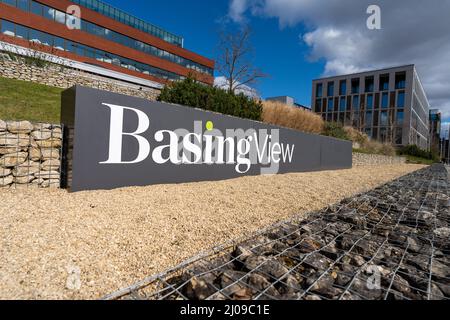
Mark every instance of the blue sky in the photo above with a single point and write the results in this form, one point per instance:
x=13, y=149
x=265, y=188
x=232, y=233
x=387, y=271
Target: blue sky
x=280, y=53
x=296, y=41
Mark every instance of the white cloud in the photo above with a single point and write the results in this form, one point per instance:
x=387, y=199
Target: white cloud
x=413, y=32
x=221, y=82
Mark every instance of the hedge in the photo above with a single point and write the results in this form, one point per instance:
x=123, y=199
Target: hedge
x=191, y=93
x=415, y=151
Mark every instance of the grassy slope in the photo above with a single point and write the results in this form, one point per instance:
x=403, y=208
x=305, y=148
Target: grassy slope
x=22, y=100
x=409, y=159
x=417, y=160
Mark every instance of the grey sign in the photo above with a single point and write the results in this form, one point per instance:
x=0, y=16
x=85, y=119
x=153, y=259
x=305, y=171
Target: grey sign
x=113, y=140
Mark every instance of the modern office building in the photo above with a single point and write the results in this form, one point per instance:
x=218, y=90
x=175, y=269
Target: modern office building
x=435, y=130
x=105, y=38
x=445, y=151
x=444, y=145
x=283, y=99
x=389, y=105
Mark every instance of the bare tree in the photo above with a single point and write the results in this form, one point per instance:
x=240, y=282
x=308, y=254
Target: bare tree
x=234, y=60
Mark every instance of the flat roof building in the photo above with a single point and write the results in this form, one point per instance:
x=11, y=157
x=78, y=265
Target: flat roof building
x=107, y=38
x=389, y=105
x=289, y=101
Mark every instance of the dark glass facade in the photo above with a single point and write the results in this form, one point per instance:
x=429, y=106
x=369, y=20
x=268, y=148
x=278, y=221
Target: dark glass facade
x=94, y=29
x=123, y=17
x=42, y=38
x=163, y=59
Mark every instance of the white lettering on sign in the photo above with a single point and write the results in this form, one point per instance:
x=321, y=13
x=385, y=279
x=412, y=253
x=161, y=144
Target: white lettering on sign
x=239, y=148
x=116, y=135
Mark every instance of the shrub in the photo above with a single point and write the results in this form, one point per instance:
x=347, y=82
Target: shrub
x=356, y=136
x=388, y=150
x=415, y=151
x=335, y=130
x=363, y=144
x=194, y=94
x=36, y=62
x=376, y=147
x=277, y=113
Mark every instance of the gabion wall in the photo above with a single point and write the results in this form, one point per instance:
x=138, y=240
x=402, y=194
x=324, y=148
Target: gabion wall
x=29, y=154
x=15, y=67
x=362, y=159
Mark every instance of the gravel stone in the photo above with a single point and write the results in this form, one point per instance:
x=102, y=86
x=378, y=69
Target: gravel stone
x=120, y=237
x=387, y=248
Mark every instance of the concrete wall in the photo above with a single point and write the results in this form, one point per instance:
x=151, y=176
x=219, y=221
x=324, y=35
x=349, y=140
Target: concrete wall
x=30, y=155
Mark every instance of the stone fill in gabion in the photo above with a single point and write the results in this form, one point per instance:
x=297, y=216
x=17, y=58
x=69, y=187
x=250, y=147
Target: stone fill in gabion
x=57, y=75
x=390, y=243
x=29, y=154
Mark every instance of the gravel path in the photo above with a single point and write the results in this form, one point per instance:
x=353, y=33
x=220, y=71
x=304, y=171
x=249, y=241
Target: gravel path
x=390, y=243
x=56, y=245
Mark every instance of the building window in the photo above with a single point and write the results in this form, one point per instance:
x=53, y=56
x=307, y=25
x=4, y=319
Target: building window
x=348, y=119
x=369, y=84
x=375, y=133
x=37, y=8
x=400, y=80
x=356, y=102
x=319, y=90
x=355, y=86
x=330, y=105
x=23, y=4
x=384, y=82
x=21, y=32
x=384, y=118
x=49, y=13
x=58, y=43
x=368, y=132
x=401, y=99
x=385, y=100
x=8, y=28
x=60, y=17
x=376, y=117
x=400, y=117
x=369, y=119
x=355, y=120
x=330, y=91
x=398, y=136
x=318, y=105
x=383, y=135
x=370, y=101
x=343, y=88
x=10, y=2
x=95, y=30
x=329, y=117
x=342, y=104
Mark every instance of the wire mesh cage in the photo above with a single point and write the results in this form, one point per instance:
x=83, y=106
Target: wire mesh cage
x=29, y=154
x=388, y=243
